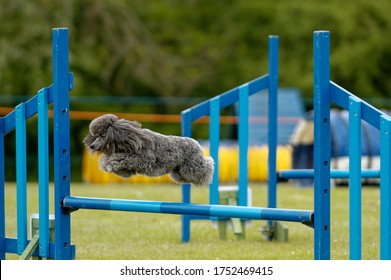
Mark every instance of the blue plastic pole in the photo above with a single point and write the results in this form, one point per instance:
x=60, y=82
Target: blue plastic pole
x=43, y=172
x=355, y=178
x=2, y=192
x=322, y=144
x=385, y=188
x=21, y=176
x=214, y=143
x=334, y=173
x=243, y=145
x=61, y=86
x=272, y=125
x=186, y=195
x=291, y=215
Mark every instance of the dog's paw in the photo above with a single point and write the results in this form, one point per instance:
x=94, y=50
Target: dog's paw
x=107, y=167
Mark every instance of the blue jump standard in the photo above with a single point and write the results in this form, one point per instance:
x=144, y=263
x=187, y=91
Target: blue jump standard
x=71, y=203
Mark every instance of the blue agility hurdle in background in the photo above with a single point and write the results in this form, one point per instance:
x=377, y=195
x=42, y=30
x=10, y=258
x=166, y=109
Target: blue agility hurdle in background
x=212, y=107
x=325, y=91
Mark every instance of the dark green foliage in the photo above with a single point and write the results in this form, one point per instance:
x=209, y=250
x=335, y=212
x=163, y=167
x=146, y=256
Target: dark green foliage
x=192, y=48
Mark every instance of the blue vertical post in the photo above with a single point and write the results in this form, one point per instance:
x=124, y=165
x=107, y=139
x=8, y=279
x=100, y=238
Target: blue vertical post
x=61, y=87
x=273, y=123
x=214, y=143
x=322, y=144
x=43, y=172
x=243, y=145
x=186, y=132
x=2, y=192
x=21, y=176
x=385, y=188
x=354, y=178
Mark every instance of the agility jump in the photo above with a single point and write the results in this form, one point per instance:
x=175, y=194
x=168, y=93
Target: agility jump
x=324, y=92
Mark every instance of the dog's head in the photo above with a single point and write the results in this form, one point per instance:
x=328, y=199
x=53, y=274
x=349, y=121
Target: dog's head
x=108, y=134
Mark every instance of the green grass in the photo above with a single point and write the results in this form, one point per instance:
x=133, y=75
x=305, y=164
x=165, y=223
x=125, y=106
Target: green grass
x=139, y=236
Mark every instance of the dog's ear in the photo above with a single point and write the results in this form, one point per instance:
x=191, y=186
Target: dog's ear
x=126, y=137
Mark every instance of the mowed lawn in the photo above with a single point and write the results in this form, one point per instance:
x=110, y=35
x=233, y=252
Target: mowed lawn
x=139, y=236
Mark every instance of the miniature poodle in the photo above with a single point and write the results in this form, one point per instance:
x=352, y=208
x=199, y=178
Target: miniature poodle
x=128, y=149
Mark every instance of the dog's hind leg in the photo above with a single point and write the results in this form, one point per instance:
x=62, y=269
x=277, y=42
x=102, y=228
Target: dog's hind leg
x=198, y=172
x=177, y=177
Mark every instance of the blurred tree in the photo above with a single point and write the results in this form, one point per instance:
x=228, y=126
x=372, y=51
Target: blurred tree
x=192, y=48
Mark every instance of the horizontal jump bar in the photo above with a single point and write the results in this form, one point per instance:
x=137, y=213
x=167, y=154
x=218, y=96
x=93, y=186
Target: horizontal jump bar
x=71, y=203
x=334, y=173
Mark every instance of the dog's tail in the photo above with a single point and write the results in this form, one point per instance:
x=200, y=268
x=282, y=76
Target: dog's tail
x=205, y=173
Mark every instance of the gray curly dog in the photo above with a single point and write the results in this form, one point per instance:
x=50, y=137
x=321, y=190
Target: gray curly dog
x=128, y=149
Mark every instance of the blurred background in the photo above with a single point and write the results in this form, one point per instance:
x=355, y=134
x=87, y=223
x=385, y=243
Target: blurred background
x=159, y=57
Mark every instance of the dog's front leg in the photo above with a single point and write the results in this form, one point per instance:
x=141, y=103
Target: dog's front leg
x=104, y=164
x=119, y=164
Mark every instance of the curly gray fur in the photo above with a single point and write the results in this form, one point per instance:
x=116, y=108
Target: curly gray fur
x=128, y=149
